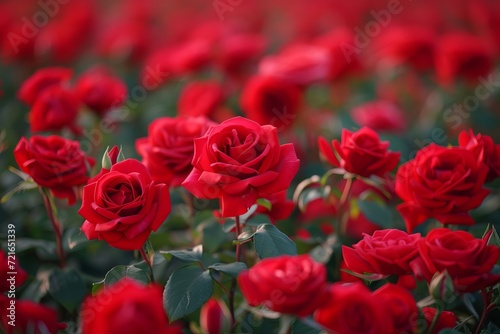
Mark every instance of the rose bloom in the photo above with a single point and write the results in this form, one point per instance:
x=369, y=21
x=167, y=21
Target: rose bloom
x=269, y=100
x=239, y=161
x=55, y=163
x=360, y=152
x=21, y=275
x=127, y=307
x=442, y=183
x=55, y=108
x=300, y=64
x=380, y=116
x=463, y=55
x=215, y=317
x=387, y=252
x=352, y=309
x=285, y=284
x=485, y=149
x=123, y=205
x=238, y=50
x=99, y=90
x=42, y=79
x=200, y=98
x=467, y=260
x=168, y=150
x=447, y=319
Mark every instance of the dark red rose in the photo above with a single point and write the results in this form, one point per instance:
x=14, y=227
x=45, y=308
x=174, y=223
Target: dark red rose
x=127, y=307
x=400, y=304
x=200, y=98
x=447, y=319
x=55, y=108
x=387, y=252
x=42, y=79
x=99, y=90
x=169, y=148
x=461, y=55
x=20, y=276
x=442, y=183
x=300, y=64
x=55, y=163
x=380, y=116
x=269, y=100
x=467, y=260
x=238, y=162
x=485, y=149
x=215, y=317
x=285, y=284
x=123, y=205
x=238, y=50
x=125, y=40
x=360, y=152
x=352, y=309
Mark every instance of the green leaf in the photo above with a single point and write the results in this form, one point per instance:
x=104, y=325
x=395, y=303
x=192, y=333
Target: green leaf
x=213, y=236
x=133, y=272
x=231, y=269
x=303, y=327
x=265, y=203
x=269, y=241
x=187, y=289
x=97, y=286
x=494, y=239
x=67, y=287
x=183, y=255
x=376, y=213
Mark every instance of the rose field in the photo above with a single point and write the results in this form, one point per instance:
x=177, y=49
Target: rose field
x=249, y=166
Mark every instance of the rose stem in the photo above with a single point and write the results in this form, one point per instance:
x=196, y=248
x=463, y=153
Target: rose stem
x=342, y=204
x=435, y=320
x=233, y=284
x=486, y=309
x=146, y=259
x=51, y=212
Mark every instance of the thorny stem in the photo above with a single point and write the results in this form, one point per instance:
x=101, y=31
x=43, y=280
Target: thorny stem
x=486, y=309
x=435, y=320
x=233, y=284
x=146, y=259
x=52, y=213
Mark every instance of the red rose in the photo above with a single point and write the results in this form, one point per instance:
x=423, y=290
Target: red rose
x=42, y=79
x=300, y=64
x=379, y=116
x=5, y=267
x=352, y=309
x=239, y=161
x=168, y=150
x=442, y=183
x=360, y=152
x=467, y=260
x=55, y=163
x=387, y=252
x=485, y=149
x=215, y=317
x=100, y=90
x=285, y=284
x=269, y=100
x=127, y=307
x=200, y=98
x=238, y=50
x=400, y=304
x=54, y=109
x=462, y=55
x=281, y=207
x=447, y=319
x=123, y=205
x=29, y=317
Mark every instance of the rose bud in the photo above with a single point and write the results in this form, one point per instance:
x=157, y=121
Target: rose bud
x=215, y=317
x=441, y=286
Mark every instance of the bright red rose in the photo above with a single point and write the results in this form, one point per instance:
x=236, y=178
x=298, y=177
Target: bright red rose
x=200, y=98
x=285, y=284
x=400, y=304
x=5, y=267
x=485, y=149
x=269, y=100
x=238, y=162
x=55, y=163
x=360, y=152
x=99, y=90
x=215, y=317
x=42, y=79
x=169, y=148
x=352, y=309
x=462, y=55
x=54, y=109
x=442, y=183
x=447, y=319
x=123, y=205
x=300, y=64
x=127, y=307
x=379, y=116
x=467, y=260
x=387, y=252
